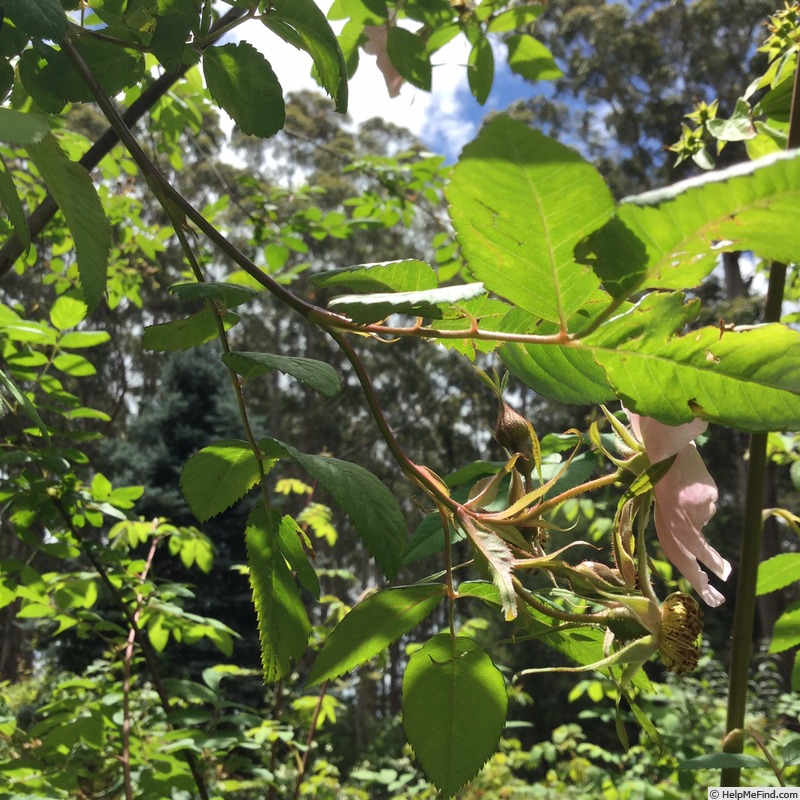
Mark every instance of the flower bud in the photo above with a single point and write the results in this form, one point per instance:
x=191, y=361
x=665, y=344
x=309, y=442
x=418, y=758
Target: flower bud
x=516, y=435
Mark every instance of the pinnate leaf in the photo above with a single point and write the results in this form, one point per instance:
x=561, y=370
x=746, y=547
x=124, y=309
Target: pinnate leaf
x=454, y=709
x=372, y=626
x=371, y=507
x=283, y=624
x=242, y=82
x=320, y=376
x=520, y=203
x=214, y=478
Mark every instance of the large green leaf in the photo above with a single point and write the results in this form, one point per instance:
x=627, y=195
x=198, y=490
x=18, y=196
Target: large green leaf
x=520, y=203
x=283, y=624
x=42, y=19
x=214, y=478
x=320, y=376
x=72, y=189
x=370, y=506
x=671, y=239
x=454, y=709
x=372, y=626
x=748, y=379
x=429, y=303
x=242, y=82
x=409, y=275
x=302, y=24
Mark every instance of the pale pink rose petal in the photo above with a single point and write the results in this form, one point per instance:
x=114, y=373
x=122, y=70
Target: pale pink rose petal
x=376, y=45
x=664, y=441
x=685, y=500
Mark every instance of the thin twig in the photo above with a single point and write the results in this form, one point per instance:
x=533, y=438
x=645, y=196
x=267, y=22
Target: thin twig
x=127, y=658
x=301, y=770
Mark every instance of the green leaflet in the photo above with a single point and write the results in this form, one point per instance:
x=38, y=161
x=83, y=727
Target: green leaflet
x=372, y=626
x=786, y=631
x=671, y=238
x=181, y=334
x=22, y=129
x=429, y=303
x=214, y=478
x=242, y=82
x=26, y=405
x=529, y=58
x=497, y=555
x=168, y=43
x=480, y=69
x=43, y=19
x=283, y=624
x=228, y=295
x=302, y=24
x=408, y=275
x=13, y=206
x=409, y=57
x=114, y=68
x=747, y=379
x=371, y=507
x=67, y=312
x=566, y=374
x=520, y=203
x=778, y=572
x=75, y=195
x=454, y=709
x=723, y=760
x=320, y=376
x=290, y=541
